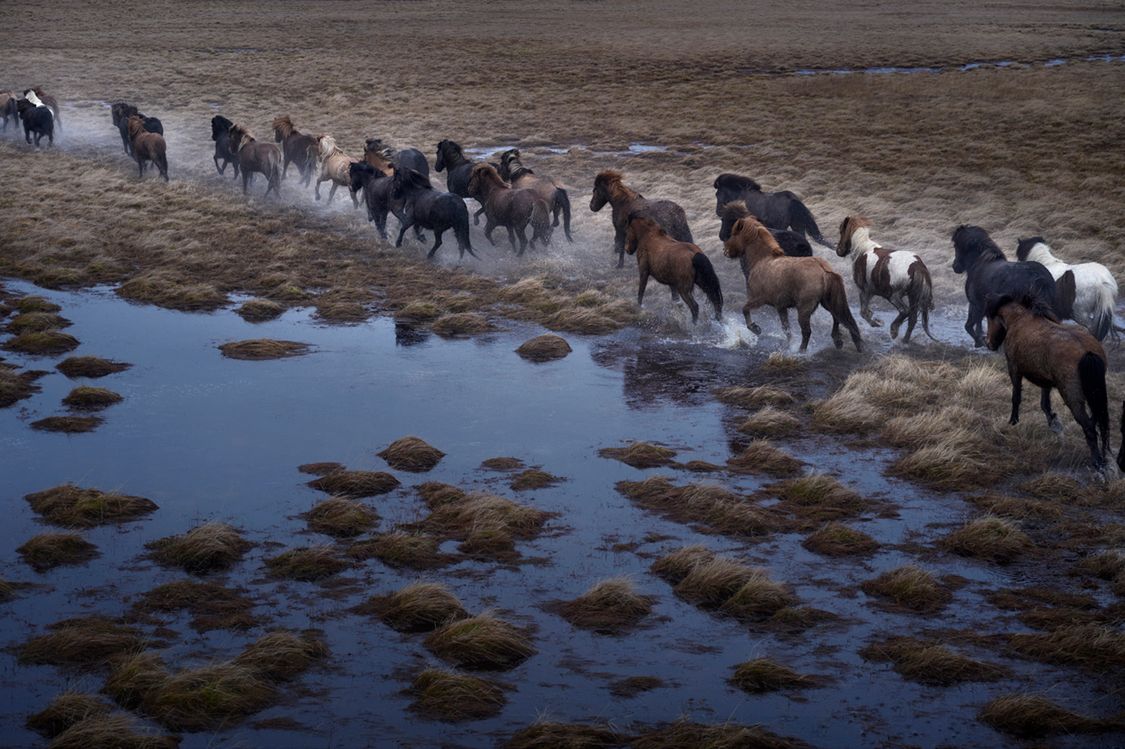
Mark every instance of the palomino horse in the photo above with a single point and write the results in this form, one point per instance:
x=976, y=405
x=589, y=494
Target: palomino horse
x=121, y=112
x=333, y=166
x=41, y=98
x=510, y=208
x=147, y=146
x=513, y=171
x=989, y=274
x=1087, y=291
x=220, y=133
x=777, y=210
x=625, y=202
x=679, y=265
x=792, y=243
x=296, y=148
x=784, y=282
x=431, y=209
x=898, y=276
x=1052, y=355
x=254, y=157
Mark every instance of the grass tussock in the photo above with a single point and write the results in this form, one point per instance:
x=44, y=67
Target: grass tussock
x=991, y=538
x=1016, y=508
x=307, y=564
x=411, y=454
x=87, y=642
x=35, y=322
x=68, y=424
x=769, y=421
x=28, y=304
x=212, y=606
x=259, y=349
x=71, y=506
x=1105, y=565
x=419, y=311
x=401, y=549
x=420, y=607
x=706, y=579
x=758, y=598
x=15, y=385
x=754, y=397
x=259, y=310
x=459, y=324
x=819, y=498
x=116, y=731
x=282, y=655
x=342, y=312
x=91, y=399
x=763, y=675
x=533, y=478
x=64, y=711
x=610, y=606
x=910, y=588
x=1055, y=487
x=548, y=734
x=356, y=484
x=931, y=663
x=1095, y=647
x=486, y=525
x=711, y=506
x=640, y=454
x=42, y=343
x=631, y=686
x=49, y=550
x=761, y=457
x=341, y=518
x=481, y=643
x=684, y=733
x=210, y=547
x=839, y=540
x=783, y=364
x=949, y=466
x=166, y=290
x=449, y=696
x=544, y=348
x=1034, y=716
x=502, y=464
x=435, y=494
x=90, y=366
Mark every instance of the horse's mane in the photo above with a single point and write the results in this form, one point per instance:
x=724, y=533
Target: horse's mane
x=284, y=125
x=607, y=176
x=976, y=240
x=762, y=234
x=851, y=224
x=31, y=96
x=735, y=209
x=737, y=182
x=489, y=171
x=640, y=216
x=1025, y=246
x=327, y=145
x=413, y=178
x=1034, y=303
x=452, y=146
x=377, y=146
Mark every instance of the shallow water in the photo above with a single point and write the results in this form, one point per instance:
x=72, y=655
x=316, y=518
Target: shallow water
x=209, y=438
x=933, y=69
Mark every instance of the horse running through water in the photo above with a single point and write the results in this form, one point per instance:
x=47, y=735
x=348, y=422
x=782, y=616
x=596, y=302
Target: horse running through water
x=333, y=166
x=1087, y=291
x=988, y=273
x=776, y=210
x=513, y=171
x=791, y=243
x=1053, y=356
x=679, y=265
x=609, y=187
x=377, y=188
x=220, y=133
x=147, y=147
x=296, y=148
x=510, y=208
x=431, y=209
x=785, y=282
x=898, y=276
x=254, y=157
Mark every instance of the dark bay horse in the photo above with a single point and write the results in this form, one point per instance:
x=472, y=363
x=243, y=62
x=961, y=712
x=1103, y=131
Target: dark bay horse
x=147, y=147
x=377, y=188
x=431, y=209
x=988, y=273
x=679, y=265
x=451, y=160
x=254, y=157
x=792, y=243
x=9, y=108
x=36, y=119
x=220, y=133
x=296, y=148
x=375, y=151
x=777, y=210
x=513, y=171
x=609, y=187
x=1053, y=356
x=514, y=209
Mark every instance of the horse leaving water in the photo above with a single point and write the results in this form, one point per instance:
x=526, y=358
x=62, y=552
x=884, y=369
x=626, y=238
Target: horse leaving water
x=510, y=208
x=296, y=148
x=791, y=243
x=513, y=171
x=609, y=187
x=333, y=166
x=377, y=188
x=898, y=276
x=786, y=282
x=776, y=210
x=1087, y=291
x=254, y=157
x=679, y=265
x=147, y=147
x=431, y=209
x=988, y=273
x=1053, y=356
x=220, y=133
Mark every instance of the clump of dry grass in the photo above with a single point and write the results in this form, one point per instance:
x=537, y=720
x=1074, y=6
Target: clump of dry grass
x=35, y=322
x=1054, y=487
x=714, y=507
x=165, y=290
x=610, y=606
x=401, y=549
x=210, y=547
x=717, y=582
x=910, y=588
x=435, y=494
x=640, y=454
x=340, y=517
x=342, y=311
x=1095, y=647
x=355, y=484
x=49, y=550
x=930, y=662
x=770, y=422
x=754, y=397
x=1016, y=508
x=117, y=731
x=631, y=686
x=91, y=398
x=544, y=348
x=485, y=524
x=684, y=733
x=411, y=454
x=307, y=564
x=67, y=424
x=259, y=310
x=1106, y=565
x=760, y=456
x=533, y=478
x=419, y=311
x=64, y=711
x=15, y=385
x=450, y=696
x=546, y=734
x=420, y=607
x=839, y=540
x=258, y=349
x=90, y=366
x=758, y=598
x=135, y=676
x=320, y=469
x=783, y=364
x=676, y=566
x=74, y=507
x=282, y=655
x=212, y=606
x=502, y=464
x=949, y=466
x=482, y=643
x=819, y=498
x=29, y=304
x=461, y=324
x=83, y=642
x=589, y=320
x=763, y=675
x=42, y=343
x=991, y=538
x=1033, y=716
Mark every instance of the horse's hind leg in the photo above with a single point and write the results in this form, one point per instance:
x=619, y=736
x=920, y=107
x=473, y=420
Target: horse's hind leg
x=522, y=236
x=903, y=312
x=1045, y=403
x=783, y=316
x=1078, y=409
x=332, y=193
x=476, y=216
x=804, y=320
x=1017, y=395
x=437, y=243
x=689, y=300
x=865, y=309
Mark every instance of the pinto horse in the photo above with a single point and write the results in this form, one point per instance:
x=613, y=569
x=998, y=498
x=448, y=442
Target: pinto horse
x=792, y=243
x=898, y=276
x=41, y=98
x=36, y=119
x=609, y=187
x=988, y=273
x=679, y=265
x=513, y=171
x=220, y=133
x=428, y=208
x=254, y=157
x=514, y=209
x=296, y=148
x=776, y=210
x=147, y=147
x=785, y=282
x=1087, y=291
x=1052, y=355
x=333, y=166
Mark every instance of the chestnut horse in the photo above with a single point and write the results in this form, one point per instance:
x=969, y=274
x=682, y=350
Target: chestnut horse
x=296, y=148
x=783, y=282
x=680, y=265
x=121, y=112
x=147, y=147
x=252, y=156
x=625, y=202
x=510, y=208
x=513, y=171
x=333, y=166
x=1052, y=355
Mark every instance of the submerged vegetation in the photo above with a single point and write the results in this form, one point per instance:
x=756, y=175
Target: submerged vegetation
x=263, y=348
x=49, y=550
x=930, y=662
x=763, y=675
x=91, y=398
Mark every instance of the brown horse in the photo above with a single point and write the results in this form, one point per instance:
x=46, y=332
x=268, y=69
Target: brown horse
x=513, y=209
x=379, y=156
x=333, y=166
x=1052, y=355
x=253, y=156
x=520, y=177
x=147, y=147
x=295, y=148
x=9, y=108
x=609, y=187
x=680, y=265
x=784, y=282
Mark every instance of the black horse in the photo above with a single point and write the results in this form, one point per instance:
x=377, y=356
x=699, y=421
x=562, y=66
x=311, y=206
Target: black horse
x=776, y=210
x=451, y=159
x=428, y=208
x=39, y=120
x=408, y=158
x=791, y=243
x=989, y=274
x=220, y=133
x=377, y=188
x=121, y=112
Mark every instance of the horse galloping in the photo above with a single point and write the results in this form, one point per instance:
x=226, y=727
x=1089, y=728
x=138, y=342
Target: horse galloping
x=42, y=98
x=147, y=147
x=9, y=107
x=791, y=243
x=512, y=170
x=254, y=157
x=679, y=265
x=383, y=157
x=220, y=133
x=776, y=210
x=36, y=119
x=296, y=148
x=1087, y=291
x=609, y=187
x=377, y=188
x=333, y=165
x=431, y=209
x=514, y=209
x=120, y=112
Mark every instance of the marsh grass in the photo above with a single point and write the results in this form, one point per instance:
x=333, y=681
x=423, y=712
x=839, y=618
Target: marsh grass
x=320, y=469
x=90, y=366
x=212, y=606
x=481, y=643
x=1034, y=716
x=91, y=398
x=461, y=324
x=711, y=506
x=71, y=506
x=452, y=697
x=1016, y=508
x=487, y=526
x=341, y=518
x=818, y=498
x=909, y=588
x=533, y=478
x=419, y=311
x=259, y=310
x=839, y=540
x=35, y=322
x=402, y=549
x=116, y=731
x=166, y=289
x=259, y=349
x=544, y=348
x=64, y=711
x=758, y=598
x=436, y=494
x=754, y=397
x=990, y=538
x=769, y=421
x=684, y=733
x=931, y=663
x=15, y=385
x=68, y=424
x=1055, y=487
x=502, y=464
x=28, y=304
x=610, y=606
x=762, y=457
x=544, y=734
x=282, y=655
x=715, y=582
x=210, y=547
x=356, y=484
x=86, y=643
x=49, y=550
x=411, y=454
x=640, y=454
x=41, y=343
x=1095, y=647
x=307, y=564
x=676, y=566
x=763, y=675
x=419, y=607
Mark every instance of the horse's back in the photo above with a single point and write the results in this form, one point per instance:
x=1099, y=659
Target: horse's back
x=412, y=158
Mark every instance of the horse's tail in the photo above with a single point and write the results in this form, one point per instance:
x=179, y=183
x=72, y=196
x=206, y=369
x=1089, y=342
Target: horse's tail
x=922, y=296
x=1121, y=452
x=161, y=158
x=1091, y=375
x=562, y=200
x=706, y=279
x=1103, y=311
x=801, y=220
x=835, y=300
x=461, y=229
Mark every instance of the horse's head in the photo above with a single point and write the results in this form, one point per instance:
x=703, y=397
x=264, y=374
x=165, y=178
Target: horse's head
x=219, y=125
x=603, y=188
x=730, y=213
x=750, y=238
x=637, y=226
x=1025, y=246
x=997, y=308
x=446, y=150
x=848, y=227
x=730, y=187
x=970, y=244
x=121, y=112
x=358, y=174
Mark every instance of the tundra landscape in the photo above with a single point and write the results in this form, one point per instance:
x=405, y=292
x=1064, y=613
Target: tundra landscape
x=271, y=480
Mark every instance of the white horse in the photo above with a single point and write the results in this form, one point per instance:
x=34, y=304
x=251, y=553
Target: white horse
x=333, y=166
x=898, y=276
x=1086, y=296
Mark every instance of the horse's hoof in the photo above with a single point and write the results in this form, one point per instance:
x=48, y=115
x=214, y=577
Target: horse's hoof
x=1054, y=425
x=839, y=342
x=755, y=328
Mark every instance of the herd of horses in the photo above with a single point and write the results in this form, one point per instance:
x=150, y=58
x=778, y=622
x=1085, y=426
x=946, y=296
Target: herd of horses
x=1024, y=301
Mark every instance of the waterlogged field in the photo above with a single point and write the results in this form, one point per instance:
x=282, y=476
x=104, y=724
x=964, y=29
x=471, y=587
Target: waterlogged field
x=649, y=535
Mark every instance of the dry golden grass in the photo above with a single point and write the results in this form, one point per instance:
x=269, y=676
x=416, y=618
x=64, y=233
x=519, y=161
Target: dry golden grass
x=754, y=397
x=33, y=303
x=355, y=484
x=459, y=324
x=117, y=731
x=71, y=506
x=770, y=422
x=1035, y=716
x=1055, y=487
x=212, y=606
x=341, y=518
x=761, y=457
x=210, y=547
x=307, y=564
x=930, y=662
x=90, y=366
x=1106, y=565
x=91, y=398
x=544, y=348
x=419, y=607
x=713, y=507
x=991, y=538
x=419, y=311
x=611, y=606
x=41, y=343
x=533, y=478
x=68, y=424
x=544, y=733
x=758, y=598
x=482, y=643
x=676, y=566
x=1016, y=508
x=401, y=549
x=818, y=498
x=411, y=454
x=684, y=733
x=640, y=454
x=170, y=290
x=34, y=322
x=487, y=526
x=763, y=675
x=64, y=711
x=450, y=696
x=502, y=464
x=15, y=385
x=258, y=349
x=435, y=494
x=909, y=588
x=1095, y=647
x=839, y=540
x=49, y=550
x=282, y=655
x=259, y=310
x=87, y=642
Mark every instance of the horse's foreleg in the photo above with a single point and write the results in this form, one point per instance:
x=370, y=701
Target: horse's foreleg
x=1045, y=403
x=619, y=247
x=285, y=167
x=332, y=193
x=675, y=294
x=217, y=167
x=804, y=320
x=973, y=324
x=247, y=178
x=476, y=216
x=407, y=222
x=641, y=286
x=316, y=189
x=1017, y=395
x=753, y=326
x=521, y=234
x=783, y=316
x=865, y=309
